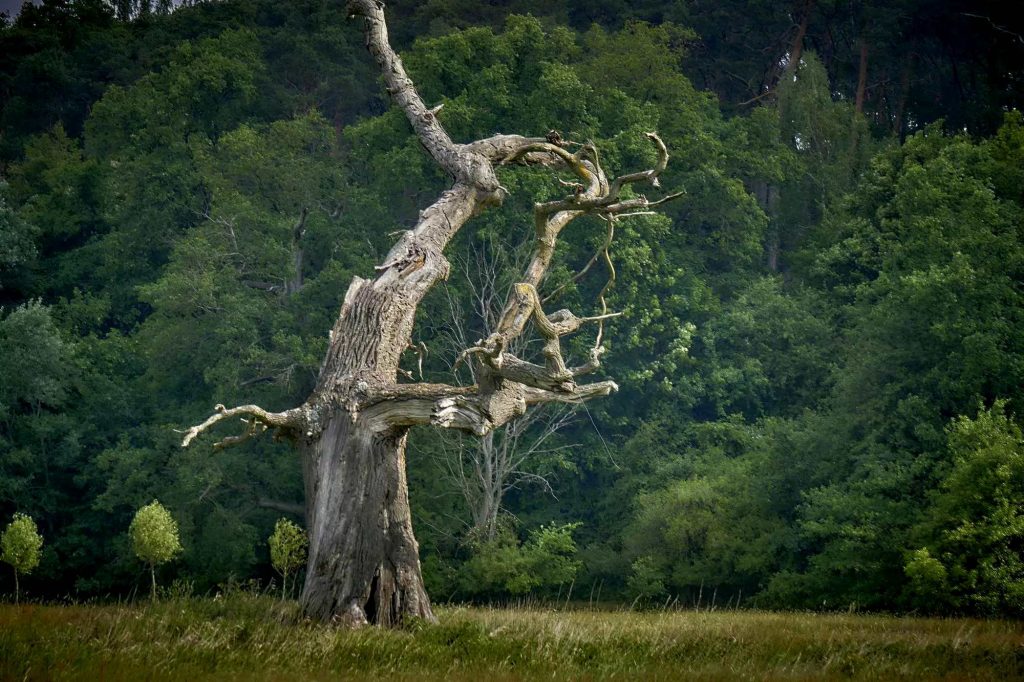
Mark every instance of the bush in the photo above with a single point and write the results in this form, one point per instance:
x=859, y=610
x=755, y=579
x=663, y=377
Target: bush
x=503, y=567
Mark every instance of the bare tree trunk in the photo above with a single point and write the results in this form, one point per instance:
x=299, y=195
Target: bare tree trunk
x=490, y=496
x=363, y=564
x=152, y=579
x=796, y=48
x=364, y=561
x=298, y=253
x=17, y=588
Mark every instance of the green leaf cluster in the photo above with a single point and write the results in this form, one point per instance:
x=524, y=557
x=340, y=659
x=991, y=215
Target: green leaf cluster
x=21, y=544
x=287, y=547
x=502, y=567
x=154, y=534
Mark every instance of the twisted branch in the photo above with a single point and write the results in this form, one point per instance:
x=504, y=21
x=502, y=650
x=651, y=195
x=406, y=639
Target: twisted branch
x=594, y=195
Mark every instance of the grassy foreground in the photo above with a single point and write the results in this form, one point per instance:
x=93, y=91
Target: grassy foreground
x=243, y=636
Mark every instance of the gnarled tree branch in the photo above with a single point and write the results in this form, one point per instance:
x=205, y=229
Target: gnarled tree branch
x=594, y=195
x=289, y=422
x=467, y=166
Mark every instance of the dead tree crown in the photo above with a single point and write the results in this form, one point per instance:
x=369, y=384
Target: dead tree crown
x=506, y=385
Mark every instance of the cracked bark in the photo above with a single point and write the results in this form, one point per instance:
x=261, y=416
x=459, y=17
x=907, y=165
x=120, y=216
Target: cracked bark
x=351, y=432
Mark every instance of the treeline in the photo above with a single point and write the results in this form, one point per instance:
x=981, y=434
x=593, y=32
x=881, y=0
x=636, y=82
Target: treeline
x=819, y=356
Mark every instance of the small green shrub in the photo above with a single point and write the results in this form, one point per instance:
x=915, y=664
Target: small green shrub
x=928, y=579
x=646, y=581
x=287, y=550
x=503, y=567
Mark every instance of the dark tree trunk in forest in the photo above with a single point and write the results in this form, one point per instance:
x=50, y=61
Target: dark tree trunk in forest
x=901, y=106
x=787, y=64
x=796, y=46
x=862, y=77
x=796, y=49
x=363, y=562
x=767, y=195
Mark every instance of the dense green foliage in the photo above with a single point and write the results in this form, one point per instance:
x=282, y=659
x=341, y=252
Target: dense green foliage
x=819, y=356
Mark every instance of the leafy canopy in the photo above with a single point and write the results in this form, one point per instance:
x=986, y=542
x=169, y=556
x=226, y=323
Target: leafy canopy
x=21, y=544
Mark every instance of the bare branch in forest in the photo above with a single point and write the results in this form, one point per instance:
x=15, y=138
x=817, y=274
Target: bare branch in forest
x=286, y=422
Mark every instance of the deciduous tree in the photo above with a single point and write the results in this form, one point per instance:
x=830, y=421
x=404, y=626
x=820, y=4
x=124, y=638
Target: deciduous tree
x=154, y=535
x=287, y=550
x=20, y=546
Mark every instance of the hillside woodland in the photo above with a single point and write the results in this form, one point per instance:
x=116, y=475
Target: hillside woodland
x=819, y=356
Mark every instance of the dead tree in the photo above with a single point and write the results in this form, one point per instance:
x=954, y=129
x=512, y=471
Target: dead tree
x=484, y=469
x=351, y=431
x=484, y=472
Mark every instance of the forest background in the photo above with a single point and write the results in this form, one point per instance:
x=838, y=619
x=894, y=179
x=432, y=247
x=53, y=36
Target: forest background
x=820, y=357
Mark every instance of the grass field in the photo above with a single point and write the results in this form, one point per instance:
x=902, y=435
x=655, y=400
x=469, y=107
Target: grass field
x=244, y=636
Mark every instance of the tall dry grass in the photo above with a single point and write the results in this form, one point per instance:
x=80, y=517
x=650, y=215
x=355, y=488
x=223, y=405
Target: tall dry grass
x=254, y=637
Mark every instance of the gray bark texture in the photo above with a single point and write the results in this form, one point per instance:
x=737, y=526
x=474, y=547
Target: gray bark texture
x=351, y=432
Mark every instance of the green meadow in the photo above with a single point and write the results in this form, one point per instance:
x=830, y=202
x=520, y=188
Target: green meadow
x=246, y=636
